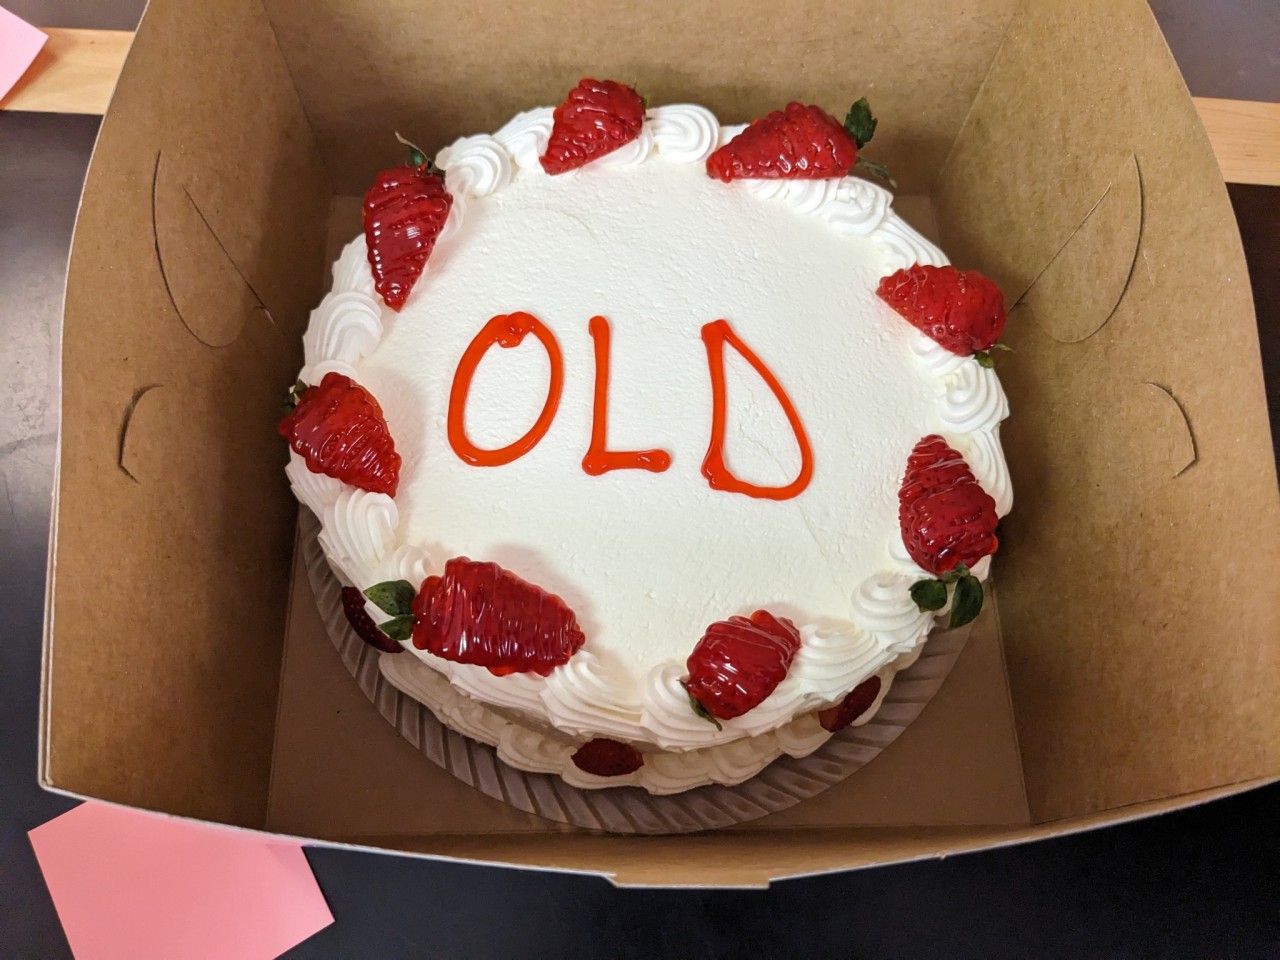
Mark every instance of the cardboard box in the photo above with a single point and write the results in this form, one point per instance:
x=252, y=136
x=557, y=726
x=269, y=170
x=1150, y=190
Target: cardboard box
x=1132, y=665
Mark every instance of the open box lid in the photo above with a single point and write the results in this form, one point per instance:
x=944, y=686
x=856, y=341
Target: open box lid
x=1062, y=156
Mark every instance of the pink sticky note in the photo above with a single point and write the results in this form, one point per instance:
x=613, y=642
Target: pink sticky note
x=138, y=886
x=19, y=44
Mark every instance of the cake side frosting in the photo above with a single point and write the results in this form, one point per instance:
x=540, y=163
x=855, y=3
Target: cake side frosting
x=859, y=628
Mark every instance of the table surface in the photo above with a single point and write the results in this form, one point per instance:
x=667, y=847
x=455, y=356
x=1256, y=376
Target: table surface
x=1196, y=883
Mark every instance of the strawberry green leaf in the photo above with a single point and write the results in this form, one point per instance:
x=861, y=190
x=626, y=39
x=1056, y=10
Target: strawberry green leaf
x=417, y=157
x=955, y=573
x=863, y=165
x=929, y=594
x=860, y=123
x=702, y=711
x=392, y=596
x=1002, y=346
x=400, y=629
x=967, y=602
x=295, y=394
x=984, y=359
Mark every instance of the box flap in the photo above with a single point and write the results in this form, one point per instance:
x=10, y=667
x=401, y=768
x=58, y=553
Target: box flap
x=1140, y=560
x=439, y=70
x=729, y=858
x=197, y=254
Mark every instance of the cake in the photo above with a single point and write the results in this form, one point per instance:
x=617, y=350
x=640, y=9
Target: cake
x=650, y=449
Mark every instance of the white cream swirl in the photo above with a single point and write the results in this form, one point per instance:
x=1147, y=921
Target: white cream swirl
x=531, y=750
x=834, y=658
x=351, y=269
x=583, y=697
x=904, y=247
x=684, y=132
x=317, y=490
x=667, y=773
x=805, y=196
x=475, y=166
x=882, y=606
x=526, y=135
x=741, y=760
x=935, y=358
x=469, y=717
x=788, y=698
x=523, y=692
x=345, y=328
x=972, y=399
x=358, y=530
x=856, y=207
x=981, y=450
x=407, y=562
x=802, y=736
x=667, y=714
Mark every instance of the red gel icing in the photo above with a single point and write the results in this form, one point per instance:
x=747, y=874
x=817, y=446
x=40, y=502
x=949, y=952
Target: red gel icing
x=598, y=460
x=717, y=472
x=506, y=330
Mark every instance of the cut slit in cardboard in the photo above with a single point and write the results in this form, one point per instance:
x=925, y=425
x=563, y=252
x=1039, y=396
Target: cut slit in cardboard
x=1128, y=664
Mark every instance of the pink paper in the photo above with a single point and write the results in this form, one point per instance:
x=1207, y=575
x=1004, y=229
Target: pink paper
x=19, y=44
x=140, y=886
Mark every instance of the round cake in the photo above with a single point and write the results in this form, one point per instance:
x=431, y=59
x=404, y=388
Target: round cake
x=650, y=449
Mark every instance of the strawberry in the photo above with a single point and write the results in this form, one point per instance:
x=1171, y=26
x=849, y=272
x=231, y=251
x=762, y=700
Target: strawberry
x=482, y=614
x=946, y=516
x=608, y=758
x=854, y=705
x=404, y=212
x=960, y=309
x=362, y=623
x=338, y=428
x=738, y=662
x=948, y=524
x=798, y=143
x=597, y=117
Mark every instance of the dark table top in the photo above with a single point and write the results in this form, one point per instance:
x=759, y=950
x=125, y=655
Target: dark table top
x=1199, y=883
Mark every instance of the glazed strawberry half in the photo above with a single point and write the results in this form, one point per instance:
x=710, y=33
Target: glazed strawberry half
x=959, y=309
x=481, y=614
x=798, y=142
x=597, y=117
x=948, y=524
x=607, y=758
x=353, y=606
x=738, y=663
x=404, y=212
x=338, y=428
x=857, y=702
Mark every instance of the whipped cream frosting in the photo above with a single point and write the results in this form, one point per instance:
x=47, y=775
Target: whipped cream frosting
x=646, y=239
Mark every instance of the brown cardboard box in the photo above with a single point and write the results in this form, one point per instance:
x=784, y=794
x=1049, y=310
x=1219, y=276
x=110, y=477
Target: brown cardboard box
x=1130, y=664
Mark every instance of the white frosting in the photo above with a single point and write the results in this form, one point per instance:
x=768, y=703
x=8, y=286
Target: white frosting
x=644, y=237
x=684, y=132
x=545, y=750
x=357, y=531
x=882, y=606
x=526, y=135
x=475, y=166
x=346, y=327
